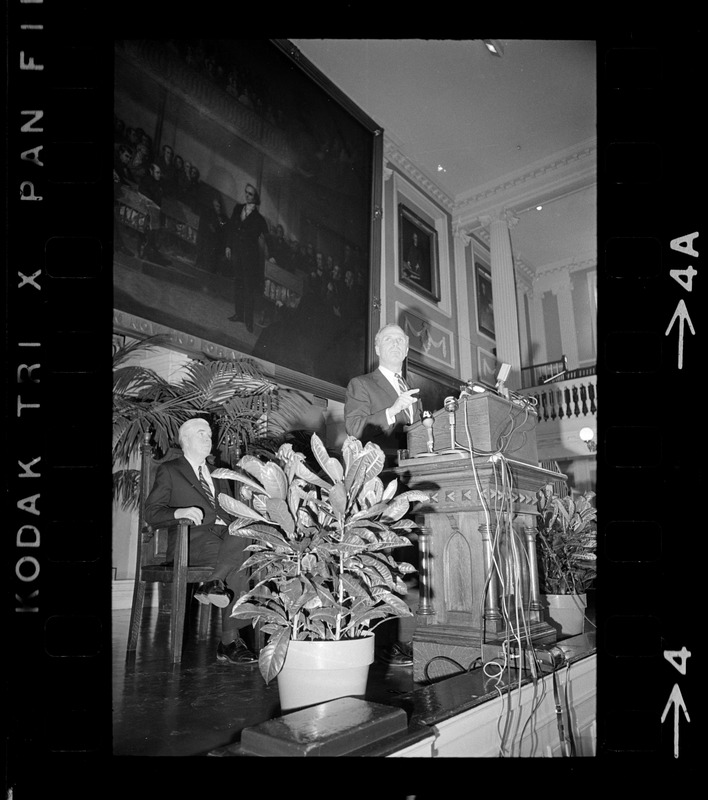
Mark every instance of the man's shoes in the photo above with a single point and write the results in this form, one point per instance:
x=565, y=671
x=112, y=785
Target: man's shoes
x=214, y=592
x=236, y=652
x=235, y=318
x=399, y=654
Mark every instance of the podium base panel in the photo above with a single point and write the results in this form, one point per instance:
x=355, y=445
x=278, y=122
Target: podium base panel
x=442, y=652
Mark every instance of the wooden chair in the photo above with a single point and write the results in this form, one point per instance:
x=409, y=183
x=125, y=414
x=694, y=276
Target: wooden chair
x=150, y=566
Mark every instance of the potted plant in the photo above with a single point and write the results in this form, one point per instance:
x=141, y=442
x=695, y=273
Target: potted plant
x=567, y=540
x=321, y=562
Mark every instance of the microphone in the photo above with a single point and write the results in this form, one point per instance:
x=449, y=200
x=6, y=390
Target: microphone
x=451, y=405
x=428, y=423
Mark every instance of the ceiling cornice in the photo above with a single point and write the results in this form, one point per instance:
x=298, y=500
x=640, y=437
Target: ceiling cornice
x=575, y=264
x=415, y=174
x=563, y=173
x=543, y=181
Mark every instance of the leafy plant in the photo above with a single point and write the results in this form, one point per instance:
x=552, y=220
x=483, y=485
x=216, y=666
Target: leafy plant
x=232, y=393
x=567, y=540
x=321, y=557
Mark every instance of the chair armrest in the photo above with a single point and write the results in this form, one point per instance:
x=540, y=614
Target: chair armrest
x=182, y=545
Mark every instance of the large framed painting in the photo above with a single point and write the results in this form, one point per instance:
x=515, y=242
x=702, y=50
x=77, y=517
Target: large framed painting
x=418, y=254
x=243, y=204
x=485, y=305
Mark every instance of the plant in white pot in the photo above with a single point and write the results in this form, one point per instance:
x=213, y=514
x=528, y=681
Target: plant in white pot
x=567, y=541
x=321, y=562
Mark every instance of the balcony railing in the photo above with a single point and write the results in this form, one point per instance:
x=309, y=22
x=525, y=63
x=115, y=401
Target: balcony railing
x=565, y=405
x=539, y=374
x=576, y=396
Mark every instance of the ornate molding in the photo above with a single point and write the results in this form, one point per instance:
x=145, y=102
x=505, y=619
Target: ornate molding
x=196, y=347
x=564, y=173
x=574, y=264
x=559, y=162
x=461, y=235
x=140, y=328
x=416, y=176
x=499, y=215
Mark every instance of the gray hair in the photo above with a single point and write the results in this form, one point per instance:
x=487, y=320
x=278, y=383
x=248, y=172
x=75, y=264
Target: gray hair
x=377, y=338
x=186, y=427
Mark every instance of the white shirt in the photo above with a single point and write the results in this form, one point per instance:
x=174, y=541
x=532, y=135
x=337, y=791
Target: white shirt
x=393, y=380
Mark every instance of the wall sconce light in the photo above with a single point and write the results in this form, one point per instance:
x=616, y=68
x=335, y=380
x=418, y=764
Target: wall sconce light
x=588, y=436
x=494, y=46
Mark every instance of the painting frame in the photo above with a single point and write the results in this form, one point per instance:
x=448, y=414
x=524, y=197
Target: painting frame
x=416, y=236
x=321, y=190
x=484, y=299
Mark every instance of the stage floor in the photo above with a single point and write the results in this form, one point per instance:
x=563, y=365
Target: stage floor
x=202, y=705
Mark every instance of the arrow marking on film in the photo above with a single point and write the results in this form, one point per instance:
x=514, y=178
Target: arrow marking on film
x=682, y=314
x=676, y=700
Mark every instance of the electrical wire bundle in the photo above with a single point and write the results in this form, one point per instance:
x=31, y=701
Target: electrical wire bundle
x=510, y=575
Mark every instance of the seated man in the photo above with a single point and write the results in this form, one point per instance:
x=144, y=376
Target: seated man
x=184, y=489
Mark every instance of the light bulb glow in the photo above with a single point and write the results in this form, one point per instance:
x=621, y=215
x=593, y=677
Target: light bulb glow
x=586, y=434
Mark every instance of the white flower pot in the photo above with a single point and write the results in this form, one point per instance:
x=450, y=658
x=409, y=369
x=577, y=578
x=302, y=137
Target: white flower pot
x=315, y=672
x=566, y=612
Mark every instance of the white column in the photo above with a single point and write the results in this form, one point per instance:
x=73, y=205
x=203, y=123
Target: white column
x=566, y=316
x=539, y=351
x=524, y=343
x=506, y=315
x=464, y=320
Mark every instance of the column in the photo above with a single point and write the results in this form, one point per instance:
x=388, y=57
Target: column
x=562, y=289
x=534, y=590
x=425, y=603
x=461, y=293
x=506, y=315
x=539, y=351
x=492, y=614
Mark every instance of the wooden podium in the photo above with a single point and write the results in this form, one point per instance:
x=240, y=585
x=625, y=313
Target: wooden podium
x=477, y=540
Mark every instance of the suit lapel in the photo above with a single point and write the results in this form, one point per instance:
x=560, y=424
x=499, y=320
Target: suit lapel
x=385, y=386
x=185, y=469
x=220, y=484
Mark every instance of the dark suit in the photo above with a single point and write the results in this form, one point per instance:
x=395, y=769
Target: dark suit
x=367, y=398
x=177, y=486
x=243, y=237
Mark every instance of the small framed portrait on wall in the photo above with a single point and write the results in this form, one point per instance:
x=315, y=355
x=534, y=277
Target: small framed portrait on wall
x=418, y=254
x=485, y=305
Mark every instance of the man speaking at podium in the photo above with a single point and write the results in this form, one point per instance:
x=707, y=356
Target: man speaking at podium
x=377, y=406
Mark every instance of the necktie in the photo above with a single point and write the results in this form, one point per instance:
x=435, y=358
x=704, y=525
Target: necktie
x=403, y=387
x=206, y=487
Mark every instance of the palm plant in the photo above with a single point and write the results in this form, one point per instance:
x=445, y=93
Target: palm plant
x=321, y=557
x=232, y=394
x=567, y=538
